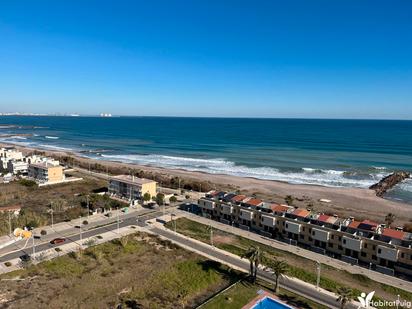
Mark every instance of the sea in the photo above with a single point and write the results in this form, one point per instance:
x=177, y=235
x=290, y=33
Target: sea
x=333, y=153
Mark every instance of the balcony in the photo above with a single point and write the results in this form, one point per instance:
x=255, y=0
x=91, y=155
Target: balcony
x=293, y=227
x=352, y=243
x=206, y=204
x=268, y=220
x=320, y=235
x=390, y=254
x=246, y=215
x=226, y=209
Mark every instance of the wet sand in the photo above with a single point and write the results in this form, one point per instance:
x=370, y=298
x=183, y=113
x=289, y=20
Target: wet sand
x=356, y=202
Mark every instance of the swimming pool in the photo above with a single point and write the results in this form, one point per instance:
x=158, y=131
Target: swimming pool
x=269, y=303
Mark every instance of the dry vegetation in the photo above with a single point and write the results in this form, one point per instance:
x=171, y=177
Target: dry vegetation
x=67, y=200
x=299, y=267
x=139, y=271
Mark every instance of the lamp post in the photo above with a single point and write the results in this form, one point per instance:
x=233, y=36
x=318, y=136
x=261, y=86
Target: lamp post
x=88, y=207
x=9, y=222
x=80, y=228
x=318, y=268
x=118, y=221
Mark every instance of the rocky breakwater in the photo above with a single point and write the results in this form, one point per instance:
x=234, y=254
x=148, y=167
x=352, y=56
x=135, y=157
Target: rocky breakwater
x=389, y=182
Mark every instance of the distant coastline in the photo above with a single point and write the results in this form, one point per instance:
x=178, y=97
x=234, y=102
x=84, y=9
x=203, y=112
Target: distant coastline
x=327, y=153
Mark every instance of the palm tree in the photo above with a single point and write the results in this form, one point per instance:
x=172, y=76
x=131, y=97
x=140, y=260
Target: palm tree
x=390, y=217
x=254, y=255
x=279, y=268
x=344, y=296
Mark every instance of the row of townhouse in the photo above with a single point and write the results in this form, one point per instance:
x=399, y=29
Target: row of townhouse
x=365, y=243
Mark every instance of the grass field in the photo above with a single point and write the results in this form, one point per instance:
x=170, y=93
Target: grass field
x=299, y=267
x=138, y=269
x=243, y=292
x=68, y=201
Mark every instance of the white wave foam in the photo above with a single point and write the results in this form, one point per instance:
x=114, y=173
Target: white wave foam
x=54, y=147
x=330, y=178
x=51, y=137
x=406, y=185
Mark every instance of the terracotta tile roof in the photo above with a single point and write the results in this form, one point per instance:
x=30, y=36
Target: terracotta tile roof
x=394, y=233
x=279, y=208
x=254, y=202
x=354, y=224
x=327, y=219
x=238, y=198
x=303, y=213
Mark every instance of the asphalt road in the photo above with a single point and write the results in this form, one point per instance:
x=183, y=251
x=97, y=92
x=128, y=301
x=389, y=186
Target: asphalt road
x=304, y=290
x=85, y=234
x=290, y=285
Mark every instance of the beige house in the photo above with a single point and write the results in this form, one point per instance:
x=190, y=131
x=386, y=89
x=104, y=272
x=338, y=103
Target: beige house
x=364, y=243
x=131, y=188
x=46, y=173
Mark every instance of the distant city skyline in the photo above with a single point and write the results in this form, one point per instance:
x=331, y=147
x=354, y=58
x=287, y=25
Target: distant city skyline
x=271, y=59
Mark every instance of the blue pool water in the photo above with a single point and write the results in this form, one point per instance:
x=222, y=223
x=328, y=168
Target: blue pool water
x=269, y=303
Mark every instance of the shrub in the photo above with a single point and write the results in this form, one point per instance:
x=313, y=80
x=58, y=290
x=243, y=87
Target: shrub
x=7, y=264
x=43, y=232
x=58, y=249
x=99, y=237
x=27, y=183
x=173, y=199
x=85, y=222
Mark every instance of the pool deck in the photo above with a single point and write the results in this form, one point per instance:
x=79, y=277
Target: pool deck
x=261, y=296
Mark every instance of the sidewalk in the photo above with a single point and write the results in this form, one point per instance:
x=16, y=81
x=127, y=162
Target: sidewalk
x=338, y=264
x=285, y=282
x=66, y=229
x=71, y=247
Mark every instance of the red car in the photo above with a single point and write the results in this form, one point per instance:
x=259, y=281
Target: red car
x=58, y=241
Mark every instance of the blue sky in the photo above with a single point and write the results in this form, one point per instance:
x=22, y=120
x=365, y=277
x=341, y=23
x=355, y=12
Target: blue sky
x=322, y=59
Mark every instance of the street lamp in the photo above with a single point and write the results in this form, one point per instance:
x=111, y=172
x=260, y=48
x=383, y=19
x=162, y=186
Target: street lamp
x=80, y=228
x=318, y=268
x=88, y=208
x=118, y=220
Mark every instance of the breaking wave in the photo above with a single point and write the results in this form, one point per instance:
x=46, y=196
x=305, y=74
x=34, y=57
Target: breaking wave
x=51, y=137
x=323, y=177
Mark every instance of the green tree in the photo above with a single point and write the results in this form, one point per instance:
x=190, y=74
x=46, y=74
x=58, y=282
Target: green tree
x=345, y=295
x=254, y=255
x=147, y=197
x=289, y=199
x=173, y=199
x=279, y=268
x=160, y=197
x=390, y=217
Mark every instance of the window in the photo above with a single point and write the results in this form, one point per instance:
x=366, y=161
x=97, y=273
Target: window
x=374, y=257
x=365, y=246
x=340, y=238
x=374, y=247
x=313, y=233
x=302, y=236
x=310, y=239
x=330, y=245
x=402, y=255
x=379, y=250
x=340, y=247
x=303, y=229
x=363, y=254
x=287, y=225
x=332, y=237
x=344, y=241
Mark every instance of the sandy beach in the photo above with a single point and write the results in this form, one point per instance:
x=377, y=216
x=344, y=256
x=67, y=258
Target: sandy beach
x=356, y=202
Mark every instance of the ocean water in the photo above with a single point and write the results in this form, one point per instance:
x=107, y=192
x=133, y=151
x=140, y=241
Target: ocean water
x=340, y=153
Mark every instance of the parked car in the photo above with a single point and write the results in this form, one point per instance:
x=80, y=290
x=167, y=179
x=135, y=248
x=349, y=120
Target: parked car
x=58, y=241
x=25, y=257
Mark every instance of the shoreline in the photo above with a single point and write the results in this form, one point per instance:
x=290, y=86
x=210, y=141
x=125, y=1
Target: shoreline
x=345, y=201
